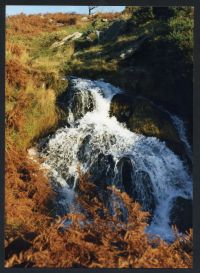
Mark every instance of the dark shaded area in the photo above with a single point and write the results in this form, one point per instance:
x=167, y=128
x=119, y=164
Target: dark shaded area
x=137, y=184
x=181, y=214
x=16, y=246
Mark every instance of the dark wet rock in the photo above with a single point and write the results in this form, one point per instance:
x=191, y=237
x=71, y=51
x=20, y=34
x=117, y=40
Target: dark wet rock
x=83, y=152
x=102, y=170
x=150, y=120
x=143, y=191
x=81, y=104
x=125, y=170
x=142, y=116
x=181, y=214
x=137, y=184
x=76, y=102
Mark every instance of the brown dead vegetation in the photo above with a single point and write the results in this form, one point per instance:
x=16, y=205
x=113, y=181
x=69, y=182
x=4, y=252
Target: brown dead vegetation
x=35, y=24
x=29, y=24
x=110, y=16
x=16, y=74
x=103, y=242
x=27, y=193
x=15, y=49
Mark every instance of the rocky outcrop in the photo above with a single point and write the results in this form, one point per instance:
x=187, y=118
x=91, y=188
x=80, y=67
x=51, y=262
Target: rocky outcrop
x=117, y=28
x=74, y=103
x=72, y=37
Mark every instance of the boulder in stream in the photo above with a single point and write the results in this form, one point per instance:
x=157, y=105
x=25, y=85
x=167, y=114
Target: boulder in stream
x=75, y=103
x=143, y=117
x=181, y=213
x=137, y=184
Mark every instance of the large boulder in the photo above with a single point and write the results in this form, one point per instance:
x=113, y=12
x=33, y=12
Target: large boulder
x=81, y=104
x=148, y=119
x=102, y=169
x=181, y=213
x=75, y=103
x=125, y=175
x=137, y=184
x=143, y=117
x=121, y=107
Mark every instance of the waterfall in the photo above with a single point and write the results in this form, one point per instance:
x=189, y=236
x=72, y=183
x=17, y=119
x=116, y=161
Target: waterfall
x=112, y=154
x=179, y=124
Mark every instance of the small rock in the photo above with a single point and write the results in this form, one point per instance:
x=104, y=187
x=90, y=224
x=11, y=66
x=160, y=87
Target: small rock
x=71, y=37
x=84, y=19
x=74, y=36
x=59, y=24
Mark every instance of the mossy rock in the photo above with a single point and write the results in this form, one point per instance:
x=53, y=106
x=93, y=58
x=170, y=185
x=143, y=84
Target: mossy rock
x=149, y=120
x=143, y=117
x=121, y=107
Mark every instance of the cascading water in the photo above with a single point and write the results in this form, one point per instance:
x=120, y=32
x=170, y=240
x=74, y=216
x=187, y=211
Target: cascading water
x=105, y=148
x=179, y=124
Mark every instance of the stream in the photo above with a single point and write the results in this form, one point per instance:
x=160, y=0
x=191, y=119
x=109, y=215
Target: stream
x=142, y=166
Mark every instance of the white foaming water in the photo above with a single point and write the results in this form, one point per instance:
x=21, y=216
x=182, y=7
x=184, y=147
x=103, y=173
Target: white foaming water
x=97, y=143
x=181, y=129
x=179, y=124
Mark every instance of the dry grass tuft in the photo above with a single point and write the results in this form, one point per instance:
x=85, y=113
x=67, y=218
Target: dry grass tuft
x=16, y=74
